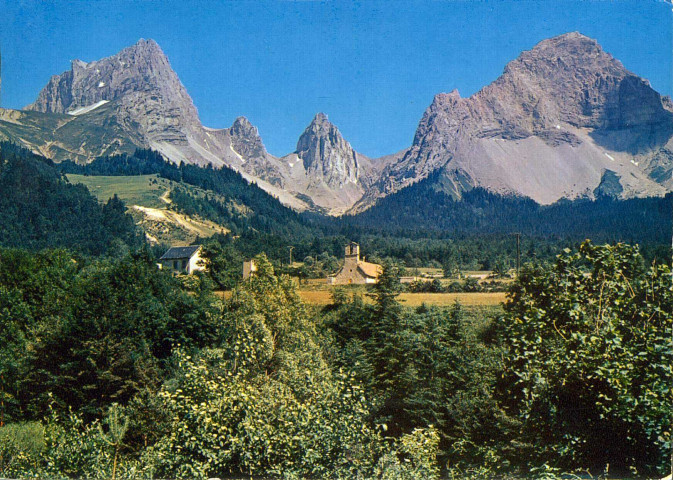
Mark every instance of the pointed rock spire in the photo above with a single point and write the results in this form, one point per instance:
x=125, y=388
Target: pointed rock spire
x=325, y=153
x=245, y=139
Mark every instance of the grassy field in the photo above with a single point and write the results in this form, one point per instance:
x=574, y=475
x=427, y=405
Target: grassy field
x=324, y=297
x=144, y=190
x=477, y=299
x=148, y=200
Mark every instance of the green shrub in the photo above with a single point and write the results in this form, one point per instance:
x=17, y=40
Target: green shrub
x=590, y=361
x=21, y=446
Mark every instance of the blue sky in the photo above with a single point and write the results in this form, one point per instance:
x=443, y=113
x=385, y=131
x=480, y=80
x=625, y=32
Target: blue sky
x=372, y=66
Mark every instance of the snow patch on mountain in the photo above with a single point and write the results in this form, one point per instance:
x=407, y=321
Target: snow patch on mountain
x=86, y=109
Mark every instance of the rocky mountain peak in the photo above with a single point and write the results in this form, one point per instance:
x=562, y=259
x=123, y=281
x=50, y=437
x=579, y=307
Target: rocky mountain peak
x=564, y=52
x=147, y=44
x=242, y=123
x=564, y=80
x=574, y=44
x=325, y=153
x=571, y=79
x=146, y=95
x=245, y=139
x=543, y=129
x=454, y=93
x=321, y=120
x=140, y=68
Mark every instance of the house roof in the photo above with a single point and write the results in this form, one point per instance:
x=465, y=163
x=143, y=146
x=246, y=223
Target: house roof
x=175, y=253
x=372, y=270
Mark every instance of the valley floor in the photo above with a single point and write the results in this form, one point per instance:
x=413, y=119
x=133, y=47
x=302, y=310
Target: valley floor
x=468, y=299
x=490, y=299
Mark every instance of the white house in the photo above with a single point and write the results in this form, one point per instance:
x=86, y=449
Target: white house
x=183, y=259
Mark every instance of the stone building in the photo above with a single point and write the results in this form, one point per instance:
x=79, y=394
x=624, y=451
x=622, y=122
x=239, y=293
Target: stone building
x=183, y=259
x=356, y=271
x=249, y=268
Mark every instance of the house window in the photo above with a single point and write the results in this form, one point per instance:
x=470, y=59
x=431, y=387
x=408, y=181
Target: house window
x=175, y=264
x=184, y=264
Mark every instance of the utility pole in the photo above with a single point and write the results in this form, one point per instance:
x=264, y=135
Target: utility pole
x=518, y=254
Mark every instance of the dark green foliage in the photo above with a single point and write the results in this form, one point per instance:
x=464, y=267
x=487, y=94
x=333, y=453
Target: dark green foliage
x=454, y=252
x=84, y=336
x=210, y=208
x=589, y=367
x=470, y=234
x=39, y=208
x=479, y=211
x=423, y=286
x=424, y=367
x=385, y=350
x=224, y=263
x=576, y=374
x=646, y=220
x=142, y=162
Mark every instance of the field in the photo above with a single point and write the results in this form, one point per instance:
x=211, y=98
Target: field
x=476, y=299
x=148, y=200
x=143, y=190
x=324, y=297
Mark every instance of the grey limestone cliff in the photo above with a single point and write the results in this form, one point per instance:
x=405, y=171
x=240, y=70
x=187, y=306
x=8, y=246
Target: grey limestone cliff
x=560, y=116
x=326, y=155
x=557, y=118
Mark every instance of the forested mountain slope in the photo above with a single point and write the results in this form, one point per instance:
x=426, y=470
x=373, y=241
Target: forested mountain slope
x=235, y=203
x=39, y=208
x=482, y=212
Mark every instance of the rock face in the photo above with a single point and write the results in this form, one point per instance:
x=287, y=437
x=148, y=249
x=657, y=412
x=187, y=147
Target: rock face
x=327, y=169
x=326, y=155
x=564, y=120
x=559, y=116
x=138, y=93
x=566, y=79
x=245, y=139
x=147, y=93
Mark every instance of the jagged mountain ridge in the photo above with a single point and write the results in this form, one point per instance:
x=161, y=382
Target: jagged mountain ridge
x=564, y=120
x=559, y=117
x=326, y=155
x=138, y=92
